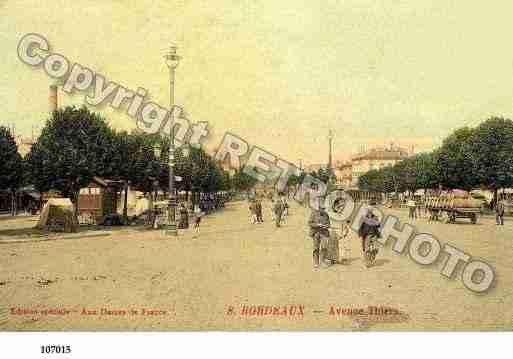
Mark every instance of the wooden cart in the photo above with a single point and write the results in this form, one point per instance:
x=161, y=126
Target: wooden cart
x=448, y=209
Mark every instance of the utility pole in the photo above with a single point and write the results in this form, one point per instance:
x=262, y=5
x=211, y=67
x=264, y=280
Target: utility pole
x=330, y=140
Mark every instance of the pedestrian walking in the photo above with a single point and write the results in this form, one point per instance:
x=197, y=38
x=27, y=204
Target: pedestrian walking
x=252, y=212
x=342, y=233
x=285, y=207
x=258, y=208
x=499, y=213
x=184, y=217
x=319, y=224
x=412, y=207
x=197, y=221
x=278, y=212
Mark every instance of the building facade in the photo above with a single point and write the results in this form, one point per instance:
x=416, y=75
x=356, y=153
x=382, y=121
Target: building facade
x=343, y=173
x=348, y=172
x=375, y=159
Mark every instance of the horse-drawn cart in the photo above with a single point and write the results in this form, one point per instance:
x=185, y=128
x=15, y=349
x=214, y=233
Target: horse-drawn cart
x=449, y=208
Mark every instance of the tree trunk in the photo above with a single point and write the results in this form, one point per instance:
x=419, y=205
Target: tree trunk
x=125, y=204
x=151, y=209
x=74, y=200
x=73, y=226
x=13, y=203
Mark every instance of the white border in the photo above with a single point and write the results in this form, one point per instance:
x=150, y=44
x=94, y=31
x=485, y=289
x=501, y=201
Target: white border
x=243, y=345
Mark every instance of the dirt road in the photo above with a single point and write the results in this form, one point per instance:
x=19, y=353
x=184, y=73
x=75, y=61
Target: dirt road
x=239, y=276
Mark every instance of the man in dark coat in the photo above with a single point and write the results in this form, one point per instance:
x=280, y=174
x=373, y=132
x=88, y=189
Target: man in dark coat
x=184, y=217
x=370, y=226
x=258, y=207
x=278, y=211
x=319, y=224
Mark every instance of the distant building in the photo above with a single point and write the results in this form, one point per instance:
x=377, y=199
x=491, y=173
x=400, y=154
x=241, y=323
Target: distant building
x=348, y=172
x=376, y=158
x=315, y=167
x=343, y=173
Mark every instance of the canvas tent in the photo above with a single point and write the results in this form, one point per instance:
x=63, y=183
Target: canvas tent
x=57, y=214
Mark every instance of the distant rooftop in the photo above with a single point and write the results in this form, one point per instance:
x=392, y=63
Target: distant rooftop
x=390, y=153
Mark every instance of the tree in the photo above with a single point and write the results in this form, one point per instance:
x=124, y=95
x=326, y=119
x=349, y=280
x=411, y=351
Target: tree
x=74, y=146
x=409, y=174
x=242, y=181
x=325, y=175
x=134, y=162
x=295, y=180
x=468, y=158
x=454, y=160
x=417, y=172
x=427, y=169
x=11, y=166
x=370, y=181
x=492, y=153
x=391, y=179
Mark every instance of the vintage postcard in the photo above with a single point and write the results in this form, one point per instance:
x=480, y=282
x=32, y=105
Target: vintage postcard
x=228, y=165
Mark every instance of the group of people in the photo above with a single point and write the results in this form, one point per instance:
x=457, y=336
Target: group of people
x=412, y=208
x=194, y=213
x=255, y=210
x=211, y=202
x=326, y=244
x=279, y=210
x=207, y=203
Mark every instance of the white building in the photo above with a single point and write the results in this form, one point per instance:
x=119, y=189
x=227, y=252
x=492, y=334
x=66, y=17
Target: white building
x=343, y=173
x=375, y=159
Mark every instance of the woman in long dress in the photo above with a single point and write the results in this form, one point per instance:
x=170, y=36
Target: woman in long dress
x=184, y=217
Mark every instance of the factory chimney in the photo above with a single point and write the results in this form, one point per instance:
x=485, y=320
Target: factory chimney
x=54, y=100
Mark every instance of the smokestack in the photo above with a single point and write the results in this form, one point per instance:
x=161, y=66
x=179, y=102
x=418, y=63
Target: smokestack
x=54, y=101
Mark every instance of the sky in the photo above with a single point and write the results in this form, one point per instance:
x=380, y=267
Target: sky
x=279, y=74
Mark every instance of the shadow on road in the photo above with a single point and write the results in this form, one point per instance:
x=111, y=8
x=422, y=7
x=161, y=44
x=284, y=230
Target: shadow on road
x=348, y=261
x=380, y=262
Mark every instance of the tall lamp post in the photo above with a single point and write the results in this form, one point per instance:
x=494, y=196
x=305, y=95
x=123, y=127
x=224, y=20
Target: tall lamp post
x=330, y=140
x=330, y=157
x=172, y=60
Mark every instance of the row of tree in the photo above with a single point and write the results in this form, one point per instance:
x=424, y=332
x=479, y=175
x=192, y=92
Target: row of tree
x=76, y=145
x=470, y=158
x=11, y=166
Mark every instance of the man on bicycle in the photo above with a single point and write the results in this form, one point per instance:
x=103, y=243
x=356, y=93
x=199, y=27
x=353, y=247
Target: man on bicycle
x=370, y=228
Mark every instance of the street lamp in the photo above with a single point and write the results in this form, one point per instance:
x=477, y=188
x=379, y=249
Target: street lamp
x=172, y=59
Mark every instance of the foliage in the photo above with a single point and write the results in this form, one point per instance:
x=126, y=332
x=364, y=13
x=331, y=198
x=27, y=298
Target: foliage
x=74, y=146
x=492, y=153
x=11, y=163
x=468, y=158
